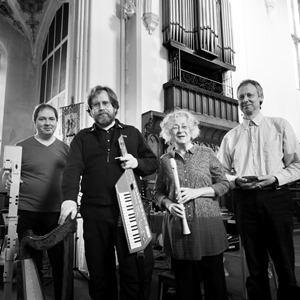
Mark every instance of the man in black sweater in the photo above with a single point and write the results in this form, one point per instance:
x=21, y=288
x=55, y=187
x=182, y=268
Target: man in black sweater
x=94, y=165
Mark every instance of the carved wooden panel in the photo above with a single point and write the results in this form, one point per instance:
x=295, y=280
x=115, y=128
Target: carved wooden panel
x=216, y=113
x=200, y=101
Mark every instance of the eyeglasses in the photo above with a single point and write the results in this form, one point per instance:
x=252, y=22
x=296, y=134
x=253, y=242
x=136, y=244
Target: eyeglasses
x=103, y=104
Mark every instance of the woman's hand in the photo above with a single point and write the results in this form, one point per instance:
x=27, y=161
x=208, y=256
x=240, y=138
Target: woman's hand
x=176, y=210
x=188, y=194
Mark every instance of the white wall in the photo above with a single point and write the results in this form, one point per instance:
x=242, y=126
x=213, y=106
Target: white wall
x=104, y=45
x=146, y=67
x=18, y=94
x=155, y=65
x=264, y=48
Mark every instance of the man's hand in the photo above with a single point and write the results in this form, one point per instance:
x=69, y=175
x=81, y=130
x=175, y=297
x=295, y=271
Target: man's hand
x=244, y=184
x=67, y=207
x=266, y=180
x=6, y=180
x=261, y=182
x=128, y=161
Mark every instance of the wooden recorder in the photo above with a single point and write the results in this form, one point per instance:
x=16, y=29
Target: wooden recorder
x=185, y=226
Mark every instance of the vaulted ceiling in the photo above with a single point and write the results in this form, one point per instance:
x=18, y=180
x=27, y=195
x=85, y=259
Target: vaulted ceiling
x=26, y=16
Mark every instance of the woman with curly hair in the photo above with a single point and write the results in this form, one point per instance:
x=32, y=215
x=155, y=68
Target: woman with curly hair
x=199, y=255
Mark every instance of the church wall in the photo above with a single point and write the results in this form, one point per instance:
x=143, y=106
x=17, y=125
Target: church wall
x=145, y=67
x=155, y=65
x=104, y=46
x=19, y=99
x=264, y=52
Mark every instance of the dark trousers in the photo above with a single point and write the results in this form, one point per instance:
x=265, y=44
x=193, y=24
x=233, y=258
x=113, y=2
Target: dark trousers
x=265, y=222
x=101, y=237
x=190, y=273
x=41, y=224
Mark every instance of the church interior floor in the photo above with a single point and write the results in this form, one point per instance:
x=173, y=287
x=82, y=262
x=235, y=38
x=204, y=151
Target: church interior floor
x=233, y=269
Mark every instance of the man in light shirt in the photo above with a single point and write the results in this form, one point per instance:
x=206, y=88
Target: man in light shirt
x=261, y=156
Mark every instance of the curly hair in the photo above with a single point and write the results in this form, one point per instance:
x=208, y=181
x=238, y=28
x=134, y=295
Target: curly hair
x=168, y=123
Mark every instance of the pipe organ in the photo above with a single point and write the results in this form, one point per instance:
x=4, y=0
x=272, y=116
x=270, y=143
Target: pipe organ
x=198, y=37
x=203, y=26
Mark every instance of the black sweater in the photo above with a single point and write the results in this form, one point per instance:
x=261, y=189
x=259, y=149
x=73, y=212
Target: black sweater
x=92, y=160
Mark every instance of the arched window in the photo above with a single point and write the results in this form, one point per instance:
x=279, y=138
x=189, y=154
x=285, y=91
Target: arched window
x=54, y=57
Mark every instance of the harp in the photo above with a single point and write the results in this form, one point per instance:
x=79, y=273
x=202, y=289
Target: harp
x=29, y=284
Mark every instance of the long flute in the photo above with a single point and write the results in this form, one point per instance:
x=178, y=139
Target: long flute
x=185, y=226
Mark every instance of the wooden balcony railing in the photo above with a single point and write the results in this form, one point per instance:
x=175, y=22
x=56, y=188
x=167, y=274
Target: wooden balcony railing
x=217, y=113
x=201, y=101
x=185, y=67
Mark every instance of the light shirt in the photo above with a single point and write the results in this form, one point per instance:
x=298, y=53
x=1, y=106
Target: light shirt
x=262, y=146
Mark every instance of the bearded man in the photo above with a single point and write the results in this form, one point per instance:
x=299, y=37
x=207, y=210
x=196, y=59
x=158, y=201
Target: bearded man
x=94, y=165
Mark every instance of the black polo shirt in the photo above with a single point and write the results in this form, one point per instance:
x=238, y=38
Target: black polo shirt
x=92, y=167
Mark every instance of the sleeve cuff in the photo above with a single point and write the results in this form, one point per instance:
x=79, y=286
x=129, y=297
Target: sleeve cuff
x=280, y=180
x=231, y=179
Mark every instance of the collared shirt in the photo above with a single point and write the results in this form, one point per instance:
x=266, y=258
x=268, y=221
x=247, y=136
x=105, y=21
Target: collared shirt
x=199, y=168
x=262, y=146
x=92, y=168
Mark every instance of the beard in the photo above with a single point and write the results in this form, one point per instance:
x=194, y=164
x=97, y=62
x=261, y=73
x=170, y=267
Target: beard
x=105, y=119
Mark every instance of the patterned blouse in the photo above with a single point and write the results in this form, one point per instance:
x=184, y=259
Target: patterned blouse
x=199, y=168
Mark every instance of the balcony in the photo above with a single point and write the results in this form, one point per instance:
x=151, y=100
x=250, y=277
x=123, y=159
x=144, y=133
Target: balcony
x=216, y=113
